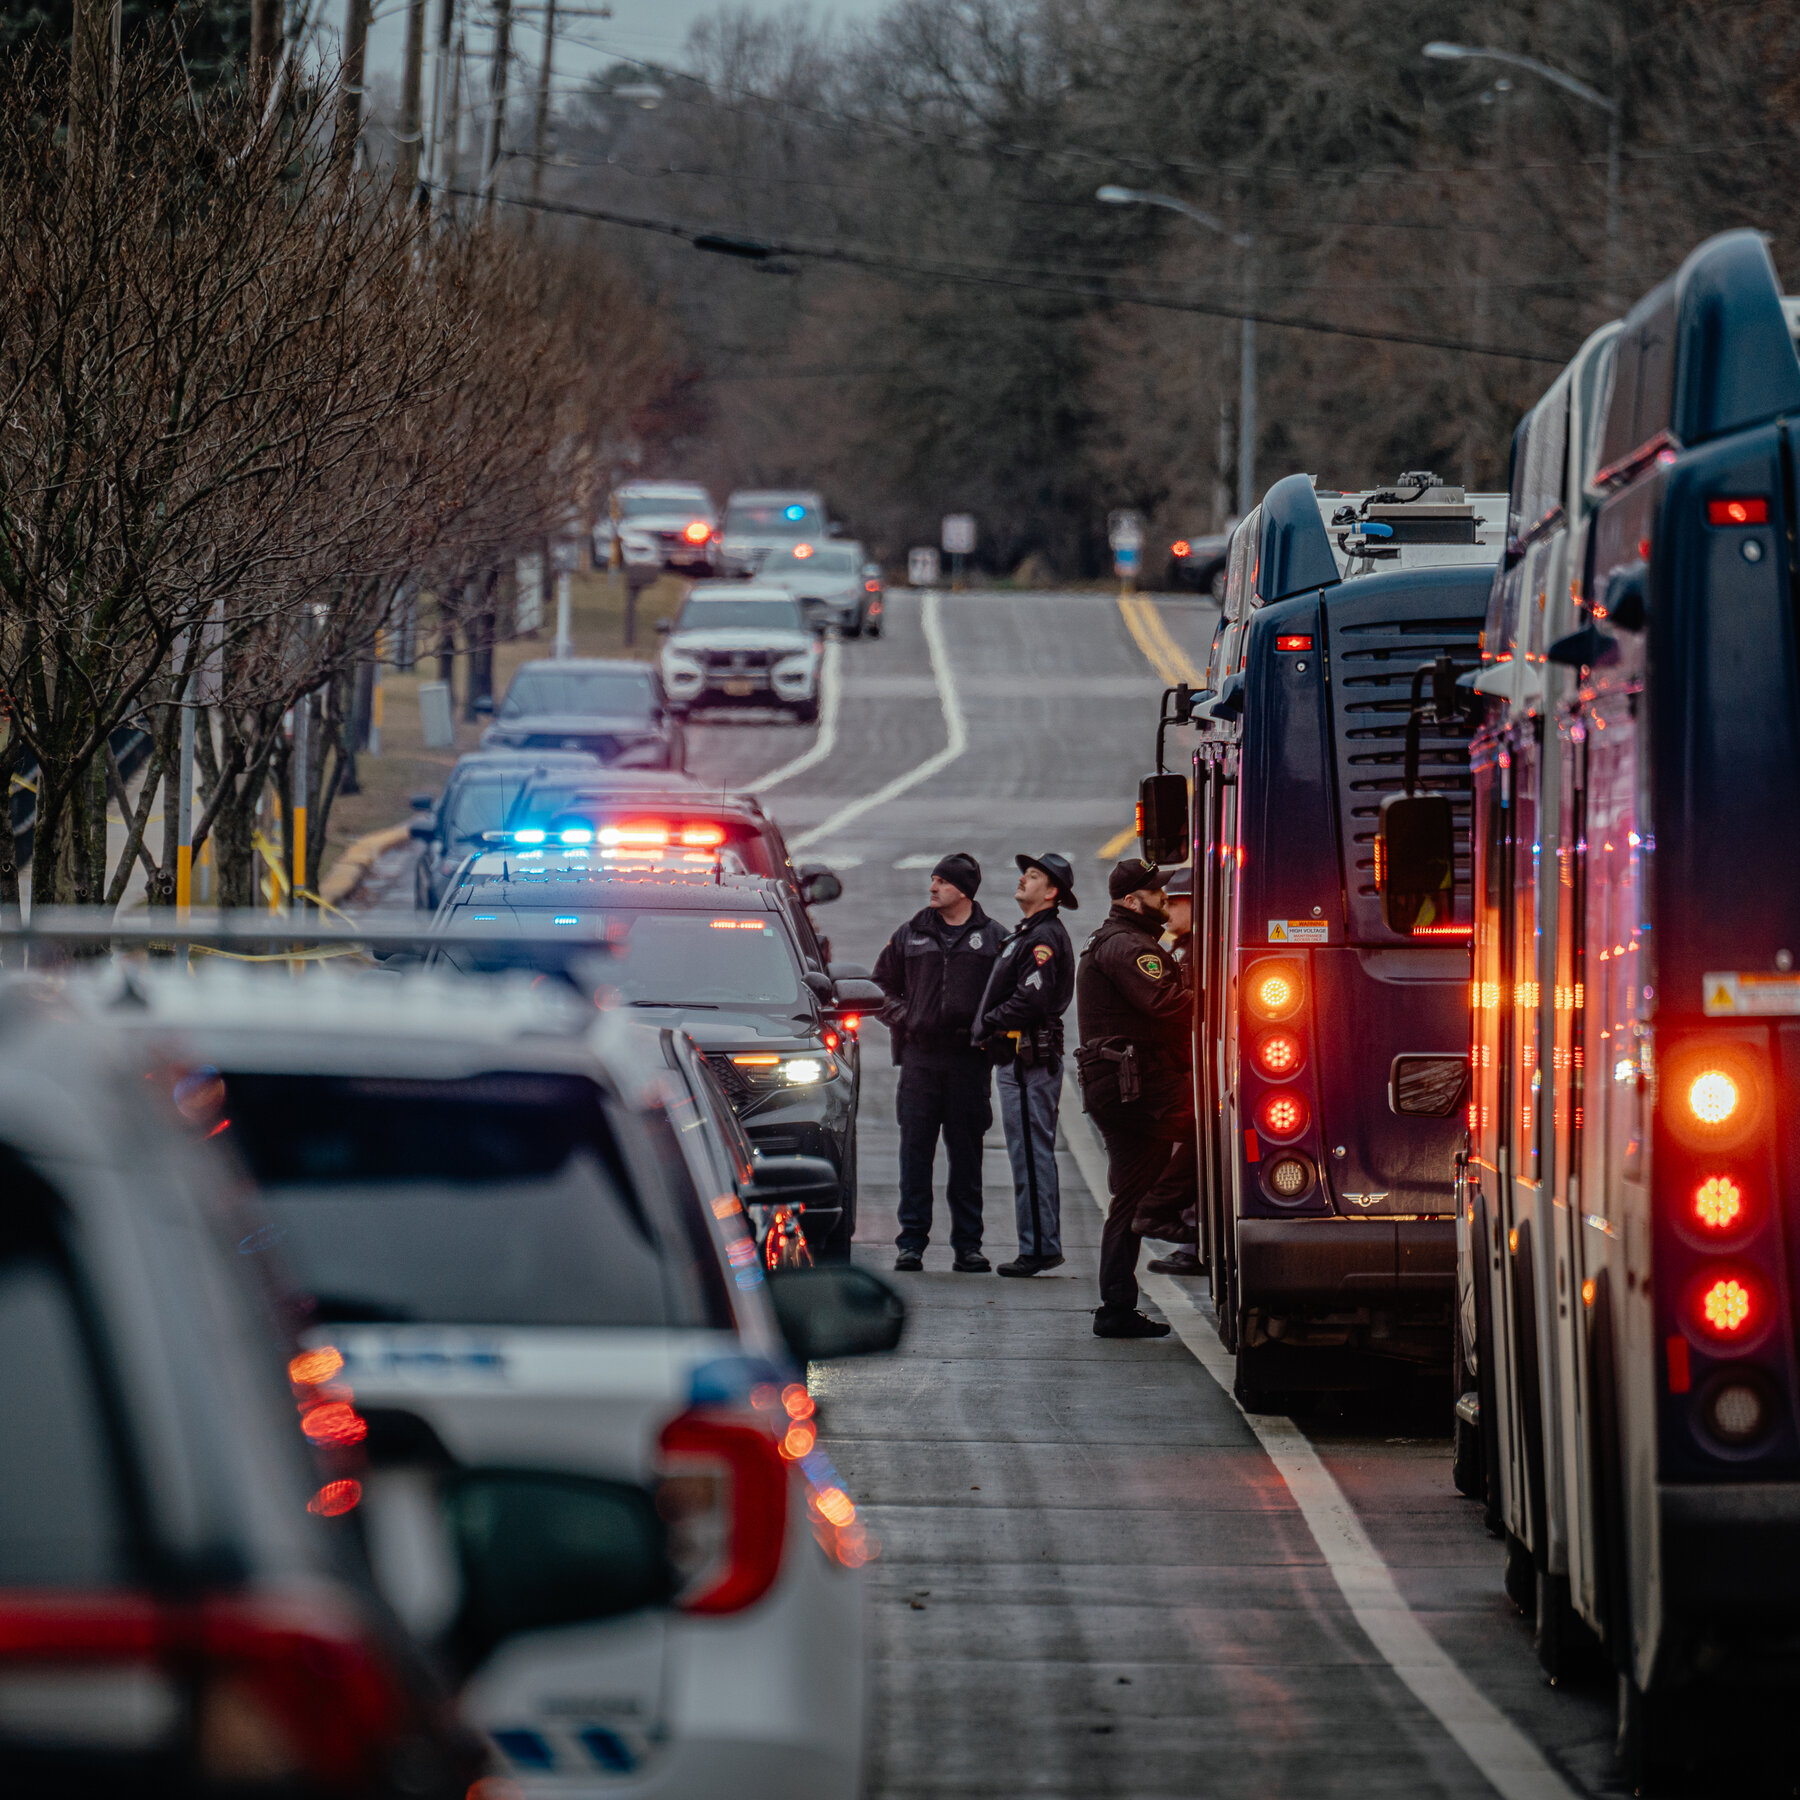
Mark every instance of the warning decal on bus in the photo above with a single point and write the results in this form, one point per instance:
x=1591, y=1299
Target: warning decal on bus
x=1749, y=995
x=1299, y=931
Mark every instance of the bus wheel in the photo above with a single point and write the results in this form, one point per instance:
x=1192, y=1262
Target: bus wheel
x=1465, y=1421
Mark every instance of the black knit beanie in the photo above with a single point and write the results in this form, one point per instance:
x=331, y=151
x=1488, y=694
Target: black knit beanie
x=961, y=870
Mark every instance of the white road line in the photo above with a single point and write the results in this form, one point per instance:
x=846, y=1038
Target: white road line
x=1513, y=1766
x=830, y=689
x=956, y=735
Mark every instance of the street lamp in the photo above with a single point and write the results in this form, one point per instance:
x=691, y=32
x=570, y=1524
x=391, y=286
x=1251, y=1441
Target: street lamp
x=1442, y=52
x=1111, y=195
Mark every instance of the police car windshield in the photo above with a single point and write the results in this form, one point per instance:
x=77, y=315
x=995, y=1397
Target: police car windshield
x=541, y=690
x=773, y=518
x=740, y=615
x=498, y=1199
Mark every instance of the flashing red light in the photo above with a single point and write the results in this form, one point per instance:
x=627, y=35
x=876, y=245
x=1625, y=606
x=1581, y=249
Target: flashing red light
x=1278, y=1053
x=335, y=1499
x=1718, y=1203
x=852, y=1023
x=1737, y=512
x=1180, y=547
x=1294, y=640
x=872, y=587
x=698, y=532
x=334, y=1422
x=1283, y=1116
x=1728, y=1307
x=702, y=837
x=803, y=551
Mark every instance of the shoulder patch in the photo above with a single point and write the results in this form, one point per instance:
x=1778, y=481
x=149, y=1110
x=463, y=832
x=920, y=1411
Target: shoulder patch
x=1042, y=952
x=1151, y=964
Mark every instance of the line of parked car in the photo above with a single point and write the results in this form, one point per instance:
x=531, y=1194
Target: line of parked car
x=401, y=1400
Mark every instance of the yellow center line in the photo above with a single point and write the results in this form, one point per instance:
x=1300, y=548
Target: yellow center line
x=1114, y=846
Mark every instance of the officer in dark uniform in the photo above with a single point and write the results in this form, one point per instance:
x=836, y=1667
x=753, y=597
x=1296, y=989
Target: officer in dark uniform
x=1171, y=1210
x=935, y=969
x=1133, y=998
x=1020, y=1026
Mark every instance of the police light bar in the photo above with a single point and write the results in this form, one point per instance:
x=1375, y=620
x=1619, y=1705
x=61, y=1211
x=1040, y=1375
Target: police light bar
x=280, y=935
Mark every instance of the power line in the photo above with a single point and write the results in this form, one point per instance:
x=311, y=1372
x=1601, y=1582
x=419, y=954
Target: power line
x=756, y=249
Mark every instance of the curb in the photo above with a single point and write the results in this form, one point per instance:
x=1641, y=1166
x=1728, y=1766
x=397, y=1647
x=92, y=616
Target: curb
x=346, y=874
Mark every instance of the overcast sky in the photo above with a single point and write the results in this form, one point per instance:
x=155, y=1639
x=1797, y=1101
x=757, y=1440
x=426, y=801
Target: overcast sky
x=653, y=30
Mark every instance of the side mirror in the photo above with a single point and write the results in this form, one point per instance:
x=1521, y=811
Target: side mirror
x=821, y=985
x=538, y=1549
x=422, y=829
x=852, y=994
x=818, y=884
x=791, y=1181
x=664, y=627
x=1162, y=819
x=422, y=802
x=837, y=1309
x=484, y=706
x=1415, y=862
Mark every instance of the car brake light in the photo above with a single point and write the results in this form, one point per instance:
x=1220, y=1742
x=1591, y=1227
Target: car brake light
x=1180, y=547
x=724, y=1496
x=1737, y=512
x=698, y=532
x=873, y=587
x=1274, y=990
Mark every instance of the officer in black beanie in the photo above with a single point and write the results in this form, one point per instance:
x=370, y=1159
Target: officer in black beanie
x=934, y=970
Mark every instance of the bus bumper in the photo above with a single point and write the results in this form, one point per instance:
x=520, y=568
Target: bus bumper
x=1338, y=1264
x=1728, y=1551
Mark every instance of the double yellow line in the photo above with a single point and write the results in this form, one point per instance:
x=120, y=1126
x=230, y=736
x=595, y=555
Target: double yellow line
x=1152, y=636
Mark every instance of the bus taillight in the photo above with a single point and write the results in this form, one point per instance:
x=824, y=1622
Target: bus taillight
x=1274, y=990
x=1728, y=1308
x=1718, y=1203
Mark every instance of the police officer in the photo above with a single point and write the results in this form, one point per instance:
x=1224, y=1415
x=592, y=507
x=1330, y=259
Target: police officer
x=1171, y=1210
x=1020, y=1026
x=934, y=970
x=1133, y=1001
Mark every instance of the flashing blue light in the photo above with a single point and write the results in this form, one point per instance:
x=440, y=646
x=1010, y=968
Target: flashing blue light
x=529, y=836
x=569, y=921
x=484, y=918
x=577, y=834
x=795, y=512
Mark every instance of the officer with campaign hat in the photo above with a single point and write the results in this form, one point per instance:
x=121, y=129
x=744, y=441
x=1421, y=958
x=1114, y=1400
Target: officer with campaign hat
x=1019, y=1024
x=1133, y=1000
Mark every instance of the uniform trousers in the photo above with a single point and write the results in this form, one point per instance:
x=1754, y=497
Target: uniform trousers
x=1029, y=1100
x=1171, y=1209
x=945, y=1092
x=1136, y=1159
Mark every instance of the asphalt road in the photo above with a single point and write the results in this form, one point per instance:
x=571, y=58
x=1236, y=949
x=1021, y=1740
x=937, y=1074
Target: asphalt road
x=1098, y=1577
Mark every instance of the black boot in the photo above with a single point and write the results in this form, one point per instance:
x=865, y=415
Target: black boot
x=1123, y=1322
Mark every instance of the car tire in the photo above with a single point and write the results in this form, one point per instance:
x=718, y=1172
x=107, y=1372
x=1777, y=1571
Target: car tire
x=835, y=1245
x=874, y=629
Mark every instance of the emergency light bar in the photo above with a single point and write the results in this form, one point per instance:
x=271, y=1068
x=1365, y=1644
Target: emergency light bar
x=252, y=930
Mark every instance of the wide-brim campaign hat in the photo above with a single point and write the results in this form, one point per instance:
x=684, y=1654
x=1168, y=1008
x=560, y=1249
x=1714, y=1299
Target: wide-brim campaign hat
x=1057, y=868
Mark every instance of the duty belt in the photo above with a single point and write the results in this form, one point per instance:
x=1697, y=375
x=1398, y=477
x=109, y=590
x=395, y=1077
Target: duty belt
x=1120, y=1051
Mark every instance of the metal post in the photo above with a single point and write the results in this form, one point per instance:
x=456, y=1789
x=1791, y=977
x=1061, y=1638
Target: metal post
x=490, y=172
x=412, y=118
x=1247, y=394
x=1612, y=209
x=563, y=649
x=184, y=804
x=541, y=130
x=375, y=699
x=299, y=763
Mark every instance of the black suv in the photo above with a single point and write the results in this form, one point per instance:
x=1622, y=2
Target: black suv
x=719, y=955
x=612, y=710
x=476, y=799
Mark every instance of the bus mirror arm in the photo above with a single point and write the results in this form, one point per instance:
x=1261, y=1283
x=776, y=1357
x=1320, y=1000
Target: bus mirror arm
x=1185, y=700
x=1448, y=706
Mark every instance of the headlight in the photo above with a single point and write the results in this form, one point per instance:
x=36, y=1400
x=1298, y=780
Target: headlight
x=793, y=1071
x=795, y=668
x=803, y=1071
x=679, y=668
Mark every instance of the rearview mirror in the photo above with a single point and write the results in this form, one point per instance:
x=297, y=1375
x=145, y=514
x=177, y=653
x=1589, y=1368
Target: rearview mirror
x=1162, y=820
x=818, y=884
x=538, y=1549
x=838, y=1309
x=664, y=627
x=1415, y=862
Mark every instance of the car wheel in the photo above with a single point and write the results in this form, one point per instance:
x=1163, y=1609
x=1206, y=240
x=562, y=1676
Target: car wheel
x=835, y=1246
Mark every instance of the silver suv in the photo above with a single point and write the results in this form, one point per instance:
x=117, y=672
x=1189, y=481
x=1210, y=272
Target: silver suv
x=761, y=520
x=749, y=646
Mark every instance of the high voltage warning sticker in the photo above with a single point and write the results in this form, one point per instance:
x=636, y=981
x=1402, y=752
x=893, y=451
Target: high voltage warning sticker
x=1299, y=931
x=1748, y=995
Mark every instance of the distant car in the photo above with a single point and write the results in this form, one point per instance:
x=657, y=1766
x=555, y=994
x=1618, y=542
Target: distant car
x=612, y=710
x=662, y=525
x=761, y=520
x=718, y=955
x=579, y=1392
x=748, y=645
x=1200, y=562
x=476, y=799
x=185, y=1609
x=831, y=581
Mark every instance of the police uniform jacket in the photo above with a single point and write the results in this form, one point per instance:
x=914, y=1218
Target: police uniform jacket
x=1130, y=991
x=1031, y=985
x=934, y=976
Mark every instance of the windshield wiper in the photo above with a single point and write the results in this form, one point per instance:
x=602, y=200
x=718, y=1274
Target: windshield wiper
x=685, y=1005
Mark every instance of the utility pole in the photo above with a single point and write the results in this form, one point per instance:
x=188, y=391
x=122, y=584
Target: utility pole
x=265, y=44
x=490, y=173
x=299, y=771
x=453, y=136
x=412, y=82
x=540, y=136
x=350, y=92
x=440, y=91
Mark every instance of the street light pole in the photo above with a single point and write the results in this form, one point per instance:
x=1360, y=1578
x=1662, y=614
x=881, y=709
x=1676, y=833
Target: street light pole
x=1112, y=195
x=1438, y=51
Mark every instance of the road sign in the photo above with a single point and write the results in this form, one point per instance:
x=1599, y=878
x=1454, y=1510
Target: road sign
x=922, y=568
x=1125, y=531
x=959, y=534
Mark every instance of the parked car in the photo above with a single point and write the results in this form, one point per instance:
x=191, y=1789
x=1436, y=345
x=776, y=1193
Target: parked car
x=1199, y=562
x=476, y=799
x=184, y=1609
x=662, y=525
x=761, y=520
x=743, y=645
x=612, y=710
x=831, y=581
x=719, y=955
x=564, y=1354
